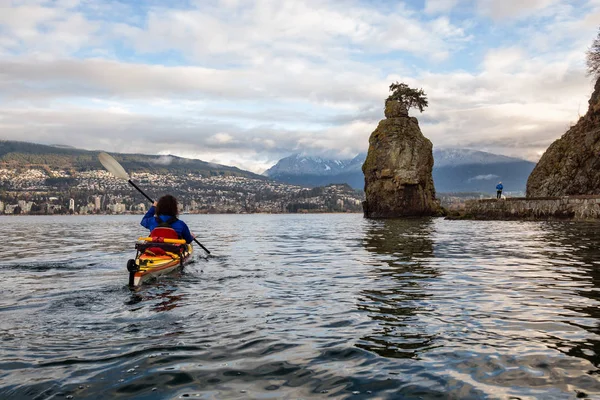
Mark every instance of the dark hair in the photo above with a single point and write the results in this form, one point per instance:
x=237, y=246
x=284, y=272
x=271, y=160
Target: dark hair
x=167, y=205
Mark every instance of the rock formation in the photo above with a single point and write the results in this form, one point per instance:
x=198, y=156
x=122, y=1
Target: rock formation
x=571, y=165
x=398, y=181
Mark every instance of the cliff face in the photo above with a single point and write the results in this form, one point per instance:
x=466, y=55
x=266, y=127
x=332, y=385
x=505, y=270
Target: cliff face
x=398, y=180
x=571, y=165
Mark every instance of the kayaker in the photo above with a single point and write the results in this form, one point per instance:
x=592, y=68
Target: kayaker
x=163, y=214
x=499, y=188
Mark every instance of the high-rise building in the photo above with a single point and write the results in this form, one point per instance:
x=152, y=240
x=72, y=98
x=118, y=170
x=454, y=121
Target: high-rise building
x=25, y=206
x=71, y=205
x=97, y=203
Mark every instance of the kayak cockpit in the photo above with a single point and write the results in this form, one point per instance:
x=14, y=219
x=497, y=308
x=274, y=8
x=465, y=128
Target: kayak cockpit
x=157, y=256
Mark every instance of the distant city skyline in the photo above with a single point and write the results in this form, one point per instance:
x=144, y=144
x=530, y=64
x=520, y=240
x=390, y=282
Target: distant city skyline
x=245, y=83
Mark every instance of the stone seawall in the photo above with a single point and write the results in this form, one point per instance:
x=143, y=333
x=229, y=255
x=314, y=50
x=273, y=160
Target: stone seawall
x=569, y=207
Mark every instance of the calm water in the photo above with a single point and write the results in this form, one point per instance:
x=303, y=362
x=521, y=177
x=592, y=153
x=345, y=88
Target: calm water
x=311, y=306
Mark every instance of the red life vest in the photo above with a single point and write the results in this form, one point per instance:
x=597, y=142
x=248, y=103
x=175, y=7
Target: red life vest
x=161, y=232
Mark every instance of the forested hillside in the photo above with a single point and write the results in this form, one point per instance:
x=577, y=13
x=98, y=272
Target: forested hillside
x=22, y=154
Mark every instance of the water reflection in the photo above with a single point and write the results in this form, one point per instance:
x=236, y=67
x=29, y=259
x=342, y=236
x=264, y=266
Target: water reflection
x=163, y=297
x=572, y=248
x=400, y=294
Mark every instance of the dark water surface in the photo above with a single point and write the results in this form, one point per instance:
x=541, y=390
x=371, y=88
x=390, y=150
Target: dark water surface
x=311, y=306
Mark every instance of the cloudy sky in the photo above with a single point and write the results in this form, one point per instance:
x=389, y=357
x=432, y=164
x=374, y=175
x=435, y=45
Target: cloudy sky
x=246, y=82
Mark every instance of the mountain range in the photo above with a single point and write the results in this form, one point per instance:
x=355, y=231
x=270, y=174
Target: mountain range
x=455, y=170
x=41, y=179
x=315, y=171
x=23, y=154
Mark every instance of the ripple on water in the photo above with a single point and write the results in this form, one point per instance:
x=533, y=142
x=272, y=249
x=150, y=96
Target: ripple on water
x=313, y=306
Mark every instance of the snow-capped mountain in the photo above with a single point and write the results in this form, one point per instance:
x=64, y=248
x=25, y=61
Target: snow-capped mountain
x=456, y=157
x=455, y=170
x=298, y=164
x=465, y=170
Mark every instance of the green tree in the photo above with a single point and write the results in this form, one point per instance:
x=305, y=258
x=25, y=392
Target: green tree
x=410, y=97
x=593, y=58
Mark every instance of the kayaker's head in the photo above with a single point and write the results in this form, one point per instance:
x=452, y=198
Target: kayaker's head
x=167, y=205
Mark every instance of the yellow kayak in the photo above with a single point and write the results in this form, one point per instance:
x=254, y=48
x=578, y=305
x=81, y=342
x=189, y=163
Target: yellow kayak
x=155, y=258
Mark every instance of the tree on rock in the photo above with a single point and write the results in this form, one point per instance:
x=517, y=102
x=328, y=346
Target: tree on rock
x=593, y=57
x=408, y=96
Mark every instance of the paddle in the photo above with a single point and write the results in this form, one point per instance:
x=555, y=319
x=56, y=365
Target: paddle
x=117, y=170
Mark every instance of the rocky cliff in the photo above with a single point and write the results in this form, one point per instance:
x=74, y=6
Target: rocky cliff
x=571, y=165
x=398, y=180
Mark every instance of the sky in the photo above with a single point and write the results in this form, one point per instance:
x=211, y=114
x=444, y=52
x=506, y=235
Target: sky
x=246, y=83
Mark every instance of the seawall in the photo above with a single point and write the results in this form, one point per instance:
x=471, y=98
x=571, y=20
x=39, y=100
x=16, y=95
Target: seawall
x=548, y=208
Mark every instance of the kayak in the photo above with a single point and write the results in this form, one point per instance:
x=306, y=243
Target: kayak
x=157, y=256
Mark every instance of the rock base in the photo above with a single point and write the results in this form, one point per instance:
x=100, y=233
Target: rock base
x=398, y=171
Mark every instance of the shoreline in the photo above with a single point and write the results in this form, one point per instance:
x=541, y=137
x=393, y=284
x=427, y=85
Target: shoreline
x=565, y=208
x=186, y=214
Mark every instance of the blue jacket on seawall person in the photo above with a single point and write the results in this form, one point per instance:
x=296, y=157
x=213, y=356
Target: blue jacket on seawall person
x=499, y=186
x=166, y=209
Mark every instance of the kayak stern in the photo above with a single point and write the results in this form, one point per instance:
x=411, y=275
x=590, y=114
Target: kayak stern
x=155, y=259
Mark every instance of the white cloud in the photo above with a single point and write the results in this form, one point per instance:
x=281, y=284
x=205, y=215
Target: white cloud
x=221, y=139
x=512, y=8
x=258, y=32
x=506, y=60
x=483, y=177
x=439, y=6
x=247, y=82
x=45, y=31
x=163, y=160
x=96, y=77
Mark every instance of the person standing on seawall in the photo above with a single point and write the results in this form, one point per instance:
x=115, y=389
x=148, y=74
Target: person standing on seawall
x=499, y=188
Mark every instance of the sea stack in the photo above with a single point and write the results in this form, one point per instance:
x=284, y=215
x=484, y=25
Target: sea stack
x=571, y=165
x=398, y=180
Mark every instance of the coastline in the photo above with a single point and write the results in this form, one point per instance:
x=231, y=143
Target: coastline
x=141, y=214
x=566, y=208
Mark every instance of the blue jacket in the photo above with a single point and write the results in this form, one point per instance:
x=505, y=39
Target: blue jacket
x=180, y=227
x=499, y=186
